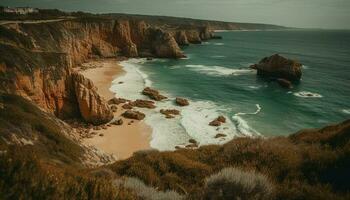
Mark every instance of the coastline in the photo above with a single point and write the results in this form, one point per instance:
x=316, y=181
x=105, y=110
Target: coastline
x=121, y=141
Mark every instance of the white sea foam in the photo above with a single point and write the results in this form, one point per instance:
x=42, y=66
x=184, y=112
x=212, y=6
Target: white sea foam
x=242, y=126
x=305, y=67
x=258, y=109
x=218, y=56
x=305, y=94
x=218, y=70
x=193, y=121
x=254, y=87
x=346, y=111
x=219, y=44
x=133, y=80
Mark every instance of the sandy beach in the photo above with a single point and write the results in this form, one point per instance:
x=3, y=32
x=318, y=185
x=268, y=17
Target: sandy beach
x=121, y=141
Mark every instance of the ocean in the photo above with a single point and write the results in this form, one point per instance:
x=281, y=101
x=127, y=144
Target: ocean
x=216, y=79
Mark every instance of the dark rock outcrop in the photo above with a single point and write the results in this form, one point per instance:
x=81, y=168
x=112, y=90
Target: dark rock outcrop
x=277, y=66
x=143, y=104
x=153, y=94
x=218, y=121
x=169, y=113
x=181, y=38
x=284, y=83
x=164, y=45
x=118, y=122
x=181, y=101
x=117, y=101
x=134, y=115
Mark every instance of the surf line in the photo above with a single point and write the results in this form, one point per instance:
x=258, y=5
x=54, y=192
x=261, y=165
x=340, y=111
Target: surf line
x=254, y=113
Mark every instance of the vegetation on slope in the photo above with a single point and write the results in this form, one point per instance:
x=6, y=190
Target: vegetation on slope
x=37, y=161
x=308, y=165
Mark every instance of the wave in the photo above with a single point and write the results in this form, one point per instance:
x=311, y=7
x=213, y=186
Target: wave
x=193, y=121
x=258, y=109
x=254, y=87
x=305, y=94
x=219, y=71
x=218, y=56
x=134, y=80
x=305, y=67
x=243, y=127
x=346, y=111
x=218, y=44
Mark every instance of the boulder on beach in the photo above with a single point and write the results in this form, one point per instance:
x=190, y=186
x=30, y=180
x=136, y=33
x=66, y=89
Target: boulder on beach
x=143, y=104
x=118, y=122
x=153, y=94
x=114, y=108
x=277, y=66
x=129, y=114
x=181, y=101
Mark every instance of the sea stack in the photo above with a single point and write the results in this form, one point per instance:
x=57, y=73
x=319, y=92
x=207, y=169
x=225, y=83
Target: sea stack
x=279, y=67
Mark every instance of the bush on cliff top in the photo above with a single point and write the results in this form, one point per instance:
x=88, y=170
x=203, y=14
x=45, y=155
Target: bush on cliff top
x=298, y=169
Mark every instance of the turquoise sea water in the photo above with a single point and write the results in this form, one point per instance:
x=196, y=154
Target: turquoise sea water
x=216, y=74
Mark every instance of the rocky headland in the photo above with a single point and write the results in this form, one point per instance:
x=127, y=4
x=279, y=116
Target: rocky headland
x=42, y=155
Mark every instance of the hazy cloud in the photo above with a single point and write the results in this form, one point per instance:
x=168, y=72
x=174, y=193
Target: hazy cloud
x=296, y=13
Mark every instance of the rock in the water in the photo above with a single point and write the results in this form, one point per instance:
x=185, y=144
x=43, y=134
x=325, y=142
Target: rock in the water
x=284, y=83
x=181, y=101
x=169, y=112
x=143, y=104
x=134, y=115
x=127, y=106
x=218, y=121
x=215, y=123
x=117, y=101
x=153, y=94
x=191, y=146
x=277, y=66
x=193, y=141
x=220, y=135
x=221, y=119
x=93, y=108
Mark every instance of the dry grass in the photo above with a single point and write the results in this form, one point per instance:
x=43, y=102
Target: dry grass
x=232, y=183
x=146, y=192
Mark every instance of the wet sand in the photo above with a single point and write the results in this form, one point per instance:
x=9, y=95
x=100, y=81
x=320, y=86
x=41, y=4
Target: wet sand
x=121, y=141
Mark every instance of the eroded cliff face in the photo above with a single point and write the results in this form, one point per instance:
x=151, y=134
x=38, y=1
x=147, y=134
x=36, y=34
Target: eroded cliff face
x=93, y=108
x=37, y=60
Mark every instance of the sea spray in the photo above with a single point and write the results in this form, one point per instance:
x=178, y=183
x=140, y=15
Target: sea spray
x=193, y=122
x=219, y=70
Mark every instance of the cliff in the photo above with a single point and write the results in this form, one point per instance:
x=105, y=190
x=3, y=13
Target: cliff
x=46, y=54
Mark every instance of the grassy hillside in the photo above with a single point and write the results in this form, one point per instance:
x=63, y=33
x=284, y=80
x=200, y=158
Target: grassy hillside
x=38, y=161
x=311, y=164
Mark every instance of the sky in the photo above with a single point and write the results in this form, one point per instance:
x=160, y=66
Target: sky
x=328, y=14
